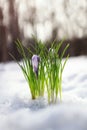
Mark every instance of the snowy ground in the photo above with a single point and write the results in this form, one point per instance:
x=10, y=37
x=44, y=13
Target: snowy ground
x=18, y=112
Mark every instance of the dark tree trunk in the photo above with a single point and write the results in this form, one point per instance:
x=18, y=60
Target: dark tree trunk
x=3, y=40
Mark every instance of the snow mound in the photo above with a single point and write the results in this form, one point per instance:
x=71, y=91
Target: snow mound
x=19, y=112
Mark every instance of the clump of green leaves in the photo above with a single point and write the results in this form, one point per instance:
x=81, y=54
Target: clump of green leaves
x=54, y=70
x=50, y=69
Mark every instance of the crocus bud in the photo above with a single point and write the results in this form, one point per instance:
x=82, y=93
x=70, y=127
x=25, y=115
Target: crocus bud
x=35, y=63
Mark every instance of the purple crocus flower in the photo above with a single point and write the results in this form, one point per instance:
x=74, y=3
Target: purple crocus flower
x=35, y=63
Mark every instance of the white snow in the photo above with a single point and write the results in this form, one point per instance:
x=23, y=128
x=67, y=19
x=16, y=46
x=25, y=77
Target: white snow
x=19, y=112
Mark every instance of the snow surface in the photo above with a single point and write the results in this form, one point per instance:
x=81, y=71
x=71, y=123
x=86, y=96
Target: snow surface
x=19, y=112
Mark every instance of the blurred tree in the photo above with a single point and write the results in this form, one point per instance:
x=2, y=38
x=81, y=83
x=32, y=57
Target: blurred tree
x=3, y=39
x=13, y=28
x=55, y=27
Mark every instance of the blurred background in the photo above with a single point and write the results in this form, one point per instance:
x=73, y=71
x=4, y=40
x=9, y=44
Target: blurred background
x=47, y=20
